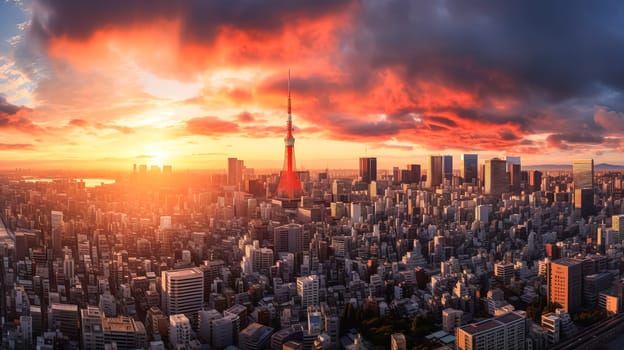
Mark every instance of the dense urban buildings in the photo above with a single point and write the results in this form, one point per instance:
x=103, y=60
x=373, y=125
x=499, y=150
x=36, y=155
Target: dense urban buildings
x=489, y=263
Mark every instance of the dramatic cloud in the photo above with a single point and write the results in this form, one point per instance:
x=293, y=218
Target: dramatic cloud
x=515, y=76
x=15, y=146
x=211, y=126
x=16, y=118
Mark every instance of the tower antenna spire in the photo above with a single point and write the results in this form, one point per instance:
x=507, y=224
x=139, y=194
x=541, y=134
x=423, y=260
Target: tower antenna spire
x=289, y=108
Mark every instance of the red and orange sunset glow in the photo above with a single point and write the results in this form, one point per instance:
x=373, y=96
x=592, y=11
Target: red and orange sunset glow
x=107, y=84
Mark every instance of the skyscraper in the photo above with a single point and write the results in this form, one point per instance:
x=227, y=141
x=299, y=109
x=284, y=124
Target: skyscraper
x=288, y=238
x=434, y=171
x=617, y=223
x=308, y=290
x=535, y=180
x=583, y=177
x=414, y=172
x=514, y=177
x=183, y=292
x=583, y=173
x=495, y=177
x=566, y=283
x=470, y=164
x=289, y=186
x=447, y=167
x=368, y=169
x=235, y=171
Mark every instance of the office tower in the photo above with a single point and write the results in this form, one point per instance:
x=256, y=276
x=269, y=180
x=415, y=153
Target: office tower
x=183, y=292
x=504, y=272
x=225, y=331
x=56, y=219
x=368, y=169
x=308, y=290
x=583, y=173
x=156, y=323
x=69, y=268
x=239, y=311
x=566, y=283
x=482, y=213
x=179, y=330
x=447, y=167
x=255, y=337
x=396, y=175
x=331, y=322
x=26, y=330
x=235, y=171
x=37, y=319
x=617, y=223
x=551, y=323
x=434, y=171
x=514, y=177
x=495, y=177
x=451, y=319
x=261, y=260
x=288, y=238
x=584, y=202
x=205, y=324
x=92, y=332
x=397, y=341
x=126, y=332
x=470, y=168
x=535, y=180
x=504, y=332
x=65, y=317
x=315, y=320
x=414, y=172
x=289, y=184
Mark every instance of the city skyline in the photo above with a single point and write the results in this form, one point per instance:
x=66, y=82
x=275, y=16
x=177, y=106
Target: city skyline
x=101, y=86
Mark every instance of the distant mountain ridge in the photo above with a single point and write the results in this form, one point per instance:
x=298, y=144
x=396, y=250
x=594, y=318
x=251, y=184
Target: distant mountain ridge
x=597, y=167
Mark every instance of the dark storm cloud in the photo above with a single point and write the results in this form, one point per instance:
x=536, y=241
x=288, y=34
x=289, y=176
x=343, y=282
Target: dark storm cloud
x=6, y=107
x=200, y=19
x=16, y=118
x=559, y=49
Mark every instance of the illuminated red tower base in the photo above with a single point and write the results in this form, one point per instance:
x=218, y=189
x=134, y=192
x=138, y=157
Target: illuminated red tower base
x=289, y=185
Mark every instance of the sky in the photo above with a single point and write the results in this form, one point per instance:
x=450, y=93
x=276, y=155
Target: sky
x=105, y=84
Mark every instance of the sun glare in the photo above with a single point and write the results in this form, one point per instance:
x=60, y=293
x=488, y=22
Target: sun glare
x=158, y=158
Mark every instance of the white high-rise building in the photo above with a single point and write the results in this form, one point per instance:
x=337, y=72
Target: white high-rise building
x=505, y=332
x=183, y=292
x=179, y=330
x=308, y=290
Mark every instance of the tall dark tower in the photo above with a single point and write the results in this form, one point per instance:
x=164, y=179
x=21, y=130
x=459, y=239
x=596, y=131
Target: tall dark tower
x=289, y=185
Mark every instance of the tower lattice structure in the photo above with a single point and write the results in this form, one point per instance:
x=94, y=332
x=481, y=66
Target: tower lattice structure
x=289, y=185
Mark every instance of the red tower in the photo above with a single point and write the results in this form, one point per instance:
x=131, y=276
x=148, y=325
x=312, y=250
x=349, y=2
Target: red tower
x=289, y=185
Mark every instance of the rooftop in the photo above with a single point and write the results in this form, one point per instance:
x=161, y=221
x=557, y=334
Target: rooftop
x=567, y=262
